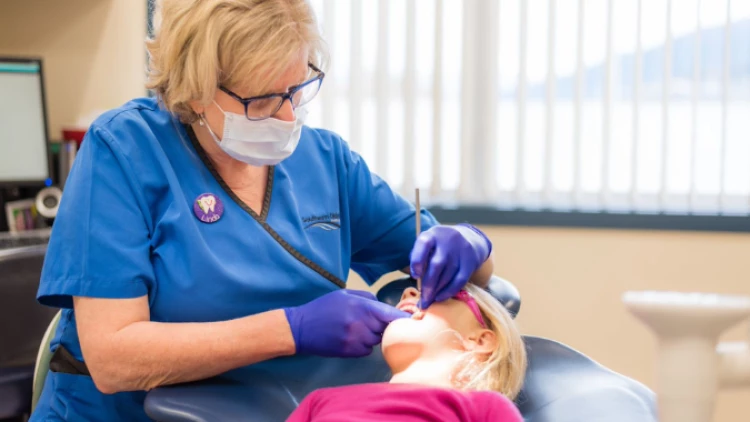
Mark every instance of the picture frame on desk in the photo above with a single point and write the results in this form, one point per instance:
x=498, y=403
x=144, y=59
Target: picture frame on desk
x=22, y=215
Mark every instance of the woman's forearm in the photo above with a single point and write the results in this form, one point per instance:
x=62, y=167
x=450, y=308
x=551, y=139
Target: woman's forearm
x=144, y=355
x=168, y=353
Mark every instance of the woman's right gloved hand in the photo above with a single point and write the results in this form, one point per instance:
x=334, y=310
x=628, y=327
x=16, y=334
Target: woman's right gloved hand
x=344, y=323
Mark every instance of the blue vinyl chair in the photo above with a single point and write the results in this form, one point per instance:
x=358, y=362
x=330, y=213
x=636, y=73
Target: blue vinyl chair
x=561, y=385
x=22, y=325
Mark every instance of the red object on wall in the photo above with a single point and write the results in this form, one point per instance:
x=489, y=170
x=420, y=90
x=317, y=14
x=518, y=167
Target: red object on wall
x=74, y=134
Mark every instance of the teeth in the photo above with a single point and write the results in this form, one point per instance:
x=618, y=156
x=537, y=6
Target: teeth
x=412, y=309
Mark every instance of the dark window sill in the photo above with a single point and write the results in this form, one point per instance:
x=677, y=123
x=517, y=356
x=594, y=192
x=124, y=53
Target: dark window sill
x=602, y=220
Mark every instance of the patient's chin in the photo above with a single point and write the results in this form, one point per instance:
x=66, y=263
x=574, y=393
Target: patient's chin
x=405, y=339
x=403, y=330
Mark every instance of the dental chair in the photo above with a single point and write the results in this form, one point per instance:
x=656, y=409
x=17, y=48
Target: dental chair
x=561, y=385
x=22, y=324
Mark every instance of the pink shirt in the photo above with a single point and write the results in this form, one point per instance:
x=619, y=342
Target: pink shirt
x=403, y=403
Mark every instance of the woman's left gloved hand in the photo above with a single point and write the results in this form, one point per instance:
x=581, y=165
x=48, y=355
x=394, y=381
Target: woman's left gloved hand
x=445, y=257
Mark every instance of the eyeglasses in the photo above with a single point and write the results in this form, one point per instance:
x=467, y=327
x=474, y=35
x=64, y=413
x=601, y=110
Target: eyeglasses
x=264, y=106
x=465, y=297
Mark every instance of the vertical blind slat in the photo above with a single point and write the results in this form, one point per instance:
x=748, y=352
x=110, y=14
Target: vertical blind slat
x=666, y=92
x=725, y=98
x=437, y=102
x=694, y=107
x=607, y=107
x=577, y=136
x=382, y=97
x=328, y=97
x=355, y=78
x=550, y=107
x=637, y=74
x=521, y=100
x=468, y=106
x=410, y=92
x=487, y=140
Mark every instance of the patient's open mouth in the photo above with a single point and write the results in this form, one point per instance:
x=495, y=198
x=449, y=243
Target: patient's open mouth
x=409, y=307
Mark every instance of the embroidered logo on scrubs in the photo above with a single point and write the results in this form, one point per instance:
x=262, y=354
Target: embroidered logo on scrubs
x=326, y=222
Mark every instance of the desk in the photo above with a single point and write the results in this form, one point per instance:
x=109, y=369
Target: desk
x=10, y=242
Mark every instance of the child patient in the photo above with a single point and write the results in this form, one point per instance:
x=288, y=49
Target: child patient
x=458, y=360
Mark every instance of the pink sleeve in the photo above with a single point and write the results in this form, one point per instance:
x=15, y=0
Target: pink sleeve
x=492, y=406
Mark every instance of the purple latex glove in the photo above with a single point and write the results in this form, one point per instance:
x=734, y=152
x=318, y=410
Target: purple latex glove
x=344, y=323
x=445, y=257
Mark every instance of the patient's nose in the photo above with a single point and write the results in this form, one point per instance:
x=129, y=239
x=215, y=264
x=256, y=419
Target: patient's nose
x=410, y=293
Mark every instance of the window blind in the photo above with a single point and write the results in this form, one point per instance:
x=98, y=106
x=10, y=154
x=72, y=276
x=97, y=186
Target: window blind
x=581, y=105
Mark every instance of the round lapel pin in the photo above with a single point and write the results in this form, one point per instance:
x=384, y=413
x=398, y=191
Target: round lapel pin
x=208, y=208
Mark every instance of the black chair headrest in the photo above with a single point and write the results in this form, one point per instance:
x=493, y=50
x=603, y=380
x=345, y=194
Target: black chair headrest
x=505, y=292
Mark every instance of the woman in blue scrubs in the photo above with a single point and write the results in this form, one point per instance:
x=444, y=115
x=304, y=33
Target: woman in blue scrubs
x=209, y=231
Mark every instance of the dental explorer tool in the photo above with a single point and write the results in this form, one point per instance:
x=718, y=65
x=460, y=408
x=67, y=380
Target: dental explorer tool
x=419, y=230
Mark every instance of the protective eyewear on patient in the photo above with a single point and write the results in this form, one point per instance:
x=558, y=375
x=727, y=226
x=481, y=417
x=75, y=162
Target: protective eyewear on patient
x=265, y=106
x=465, y=297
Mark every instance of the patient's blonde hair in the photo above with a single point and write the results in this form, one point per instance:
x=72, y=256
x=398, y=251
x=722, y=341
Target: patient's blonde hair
x=201, y=44
x=504, y=370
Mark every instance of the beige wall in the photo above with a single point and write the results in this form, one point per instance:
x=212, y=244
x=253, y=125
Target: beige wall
x=93, y=51
x=571, y=281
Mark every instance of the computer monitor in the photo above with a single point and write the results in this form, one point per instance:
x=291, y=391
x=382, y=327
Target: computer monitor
x=24, y=147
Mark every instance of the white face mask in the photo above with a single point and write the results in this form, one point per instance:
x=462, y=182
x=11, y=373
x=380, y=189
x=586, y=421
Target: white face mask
x=259, y=142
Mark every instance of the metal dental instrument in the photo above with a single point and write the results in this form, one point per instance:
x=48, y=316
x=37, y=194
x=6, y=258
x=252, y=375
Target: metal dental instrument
x=419, y=230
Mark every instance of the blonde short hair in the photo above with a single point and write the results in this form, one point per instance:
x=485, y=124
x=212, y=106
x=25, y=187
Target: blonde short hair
x=201, y=44
x=505, y=369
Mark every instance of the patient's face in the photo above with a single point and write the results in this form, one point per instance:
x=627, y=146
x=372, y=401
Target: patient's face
x=407, y=339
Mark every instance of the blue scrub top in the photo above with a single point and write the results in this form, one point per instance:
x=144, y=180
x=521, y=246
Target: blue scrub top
x=126, y=227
